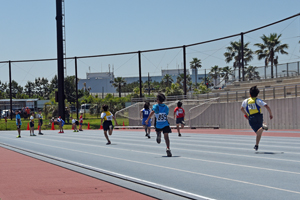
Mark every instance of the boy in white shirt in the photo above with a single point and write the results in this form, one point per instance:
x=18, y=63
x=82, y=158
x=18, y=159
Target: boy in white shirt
x=251, y=107
x=32, y=124
x=74, y=124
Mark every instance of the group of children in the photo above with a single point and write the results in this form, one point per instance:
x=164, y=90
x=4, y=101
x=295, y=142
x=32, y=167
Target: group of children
x=31, y=124
x=251, y=107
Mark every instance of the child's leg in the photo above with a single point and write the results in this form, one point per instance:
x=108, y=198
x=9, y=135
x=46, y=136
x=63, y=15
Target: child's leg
x=178, y=129
x=110, y=131
x=40, y=128
x=106, y=136
x=167, y=140
x=258, y=135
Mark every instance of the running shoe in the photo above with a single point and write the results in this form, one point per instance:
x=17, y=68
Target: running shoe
x=183, y=122
x=148, y=135
x=108, y=143
x=179, y=135
x=41, y=134
x=19, y=136
x=33, y=135
x=74, y=131
x=265, y=127
x=158, y=137
x=169, y=154
x=255, y=147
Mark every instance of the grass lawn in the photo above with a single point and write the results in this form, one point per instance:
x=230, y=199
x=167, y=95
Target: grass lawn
x=94, y=124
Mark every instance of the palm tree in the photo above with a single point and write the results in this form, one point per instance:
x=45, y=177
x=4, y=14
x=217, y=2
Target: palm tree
x=167, y=80
x=251, y=73
x=118, y=83
x=174, y=90
x=225, y=72
x=270, y=46
x=195, y=64
x=180, y=80
x=234, y=52
x=215, y=72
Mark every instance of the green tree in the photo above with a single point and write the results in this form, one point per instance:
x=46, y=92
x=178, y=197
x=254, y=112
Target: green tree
x=174, y=90
x=251, y=73
x=180, y=80
x=167, y=80
x=118, y=83
x=225, y=72
x=15, y=89
x=269, y=48
x=234, y=53
x=215, y=73
x=42, y=87
x=195, y=64
x=53, y=84
x=29, y=88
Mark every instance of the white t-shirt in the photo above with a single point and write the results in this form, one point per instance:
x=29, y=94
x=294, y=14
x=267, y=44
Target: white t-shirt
x=73, y=121
x=31, y=118
x=259, y=102
x=40, y=116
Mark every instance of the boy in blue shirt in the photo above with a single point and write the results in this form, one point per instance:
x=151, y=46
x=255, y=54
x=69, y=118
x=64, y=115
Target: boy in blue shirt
x=251, y=107
x=18, y=123
x=161, y=123
x=144, y=113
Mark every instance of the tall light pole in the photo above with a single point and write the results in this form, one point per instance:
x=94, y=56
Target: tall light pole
x=60, y=59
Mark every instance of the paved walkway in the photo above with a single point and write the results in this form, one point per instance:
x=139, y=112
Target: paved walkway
x=23, y=177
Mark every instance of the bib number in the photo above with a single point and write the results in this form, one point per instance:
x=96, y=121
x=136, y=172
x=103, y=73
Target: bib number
x=162, y=117
x=109, y=117
x=252, y=106
x=146, y=112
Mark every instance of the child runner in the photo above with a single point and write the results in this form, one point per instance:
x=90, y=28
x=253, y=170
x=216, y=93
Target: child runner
x=40, y=118
x=32, y=124
x=80, y=121
x=61, y=124
x=107, y=124
x=74, y=124
x=144, y=113
x=179, y=114
x=251, y=108
x=161, y=123
x=18, y=123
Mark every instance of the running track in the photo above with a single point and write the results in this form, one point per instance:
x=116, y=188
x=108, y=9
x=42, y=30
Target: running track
x=206, y=164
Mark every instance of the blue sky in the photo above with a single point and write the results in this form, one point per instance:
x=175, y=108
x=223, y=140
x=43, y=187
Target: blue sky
x=93, y=27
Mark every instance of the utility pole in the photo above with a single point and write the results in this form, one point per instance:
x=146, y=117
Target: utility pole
x=60, y=59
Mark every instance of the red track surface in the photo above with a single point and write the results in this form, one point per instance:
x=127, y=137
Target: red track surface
x=275, y=133
x=23, y=177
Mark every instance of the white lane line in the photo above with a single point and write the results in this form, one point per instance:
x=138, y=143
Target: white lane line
x=121, y=176
x=196, y=159
x=183, y=142
x=186, y=171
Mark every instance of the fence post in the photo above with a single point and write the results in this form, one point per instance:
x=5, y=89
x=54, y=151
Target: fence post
x=284, y=92
x=236, y=96
x=10, y=93
x=184, y=71
x=298, y=68
x=264, y=93
x=273, y=92
x=265, y=72
x=296, y=91
x=287, y=69
x=76, y=82
x=140, y=73
x=227, y=97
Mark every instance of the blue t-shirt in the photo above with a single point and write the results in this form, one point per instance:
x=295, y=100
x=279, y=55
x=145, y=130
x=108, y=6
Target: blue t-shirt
x=18, y=117
x=62, y=121
x=146, y=113
x=161, y=114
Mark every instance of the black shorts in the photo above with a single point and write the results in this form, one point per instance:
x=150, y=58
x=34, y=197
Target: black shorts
x=256, y=121
x=180, y=120
x=31, y=124
x=18, y=126
x=165, y=129
x=77, y=123
x=106, y=125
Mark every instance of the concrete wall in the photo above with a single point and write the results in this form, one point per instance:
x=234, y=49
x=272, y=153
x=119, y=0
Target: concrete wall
x=228, y=115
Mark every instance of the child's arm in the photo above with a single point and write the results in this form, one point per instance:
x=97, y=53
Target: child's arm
x=269, y=110
x=141, y=114
x=115, y=120
x=101, y=120
x=151, y=114
x=243, y=111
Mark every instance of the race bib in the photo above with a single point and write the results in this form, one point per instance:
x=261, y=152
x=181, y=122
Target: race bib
x=161, y=117
x=252, y=107
x=109, y=117
x=146, y=112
